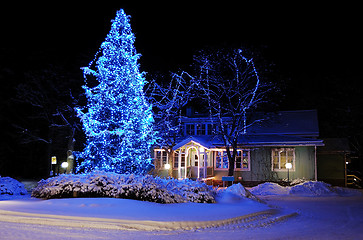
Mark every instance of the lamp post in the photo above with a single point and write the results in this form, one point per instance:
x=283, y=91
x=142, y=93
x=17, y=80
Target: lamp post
x=288, y=167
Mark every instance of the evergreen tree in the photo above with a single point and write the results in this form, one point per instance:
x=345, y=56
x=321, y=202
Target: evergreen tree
x=118, y=119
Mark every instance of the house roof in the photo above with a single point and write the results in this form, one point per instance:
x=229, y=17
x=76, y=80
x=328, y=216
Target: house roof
x=250, y=140
x=299, y=123
x=285, y=128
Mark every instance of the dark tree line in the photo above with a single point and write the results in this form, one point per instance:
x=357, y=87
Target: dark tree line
x=38, y=117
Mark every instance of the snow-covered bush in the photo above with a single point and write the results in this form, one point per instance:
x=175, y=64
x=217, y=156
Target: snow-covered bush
x=11, y=186
x=106, y=184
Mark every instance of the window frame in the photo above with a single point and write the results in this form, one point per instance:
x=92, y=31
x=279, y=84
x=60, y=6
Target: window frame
x=189, y=130
x=200, y=129
x=224, y=153
x=160, y=160
x=176, y=159
x=280, y=150
x=248, y=151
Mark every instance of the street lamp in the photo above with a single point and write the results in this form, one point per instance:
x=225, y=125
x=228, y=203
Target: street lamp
x=288, y=167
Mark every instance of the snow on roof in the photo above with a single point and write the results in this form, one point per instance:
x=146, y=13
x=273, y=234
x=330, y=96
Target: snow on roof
x=284, y=128
x=300, y=123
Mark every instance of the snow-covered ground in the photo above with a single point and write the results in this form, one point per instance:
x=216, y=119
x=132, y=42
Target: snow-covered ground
x=322, y=213
x=318, y=218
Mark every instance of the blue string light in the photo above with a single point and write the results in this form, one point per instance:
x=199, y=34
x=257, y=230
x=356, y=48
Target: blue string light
x=117, y=120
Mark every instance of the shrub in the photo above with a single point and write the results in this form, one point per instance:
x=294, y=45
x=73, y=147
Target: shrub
x=130, y=186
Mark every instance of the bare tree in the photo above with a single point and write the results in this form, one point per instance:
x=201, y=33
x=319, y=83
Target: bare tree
x=168, y=101
x=47, y=119
x=231, y=86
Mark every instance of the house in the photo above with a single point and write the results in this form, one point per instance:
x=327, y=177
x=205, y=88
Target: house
x=263, y=151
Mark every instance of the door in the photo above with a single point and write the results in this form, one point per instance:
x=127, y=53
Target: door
x=193, y=163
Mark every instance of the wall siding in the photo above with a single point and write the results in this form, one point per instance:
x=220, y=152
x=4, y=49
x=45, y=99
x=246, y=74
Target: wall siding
x=261, y=166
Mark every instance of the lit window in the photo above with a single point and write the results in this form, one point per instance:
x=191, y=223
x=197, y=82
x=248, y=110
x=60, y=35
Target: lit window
x=242, y=160
x=161, y=158
x=221, y=160
x=176, y=159
x=281, y=156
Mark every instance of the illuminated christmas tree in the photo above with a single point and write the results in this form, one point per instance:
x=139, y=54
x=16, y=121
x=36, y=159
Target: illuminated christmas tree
x=118, y=119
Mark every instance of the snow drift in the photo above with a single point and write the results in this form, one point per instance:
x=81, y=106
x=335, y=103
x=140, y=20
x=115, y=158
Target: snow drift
x=129, y=186
x=11, y=186
x=269, y=188
x=307, y=188
x=235, y=193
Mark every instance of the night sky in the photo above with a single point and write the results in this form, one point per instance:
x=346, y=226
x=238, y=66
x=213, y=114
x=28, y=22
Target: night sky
x=297, y=38
x=315, y=50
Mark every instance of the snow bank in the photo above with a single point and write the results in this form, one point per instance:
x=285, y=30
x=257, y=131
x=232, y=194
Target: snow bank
x=234, y=193
x=11, y=186
x=313, y=188
x=269, y=188
x=308, y=188
x=145, y=188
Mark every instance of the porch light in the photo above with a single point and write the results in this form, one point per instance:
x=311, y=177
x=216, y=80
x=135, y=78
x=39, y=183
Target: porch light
x=64, y=165
x=167, y=166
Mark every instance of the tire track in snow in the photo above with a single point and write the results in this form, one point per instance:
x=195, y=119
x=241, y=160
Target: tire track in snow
x=258, y=219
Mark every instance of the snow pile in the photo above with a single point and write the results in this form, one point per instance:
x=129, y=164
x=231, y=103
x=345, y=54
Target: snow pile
x=11, y=186
x=269, y=188
x=313, y=188
x=105, y=184
x=236, y=192
x=307, y=188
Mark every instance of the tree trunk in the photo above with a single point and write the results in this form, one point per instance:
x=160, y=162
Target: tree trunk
x=231, y=160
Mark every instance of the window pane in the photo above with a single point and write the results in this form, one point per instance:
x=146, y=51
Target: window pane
x=275, y=159
x=176, y=159
x=190, y=129
x=219, y=160
x=210, y=129
x=158, y=159
x=182, y=161
x=245, y=159
x=165, y=156
x=290, y=157
x=225, y=160
x=238, y=160
x=283, y=159
x=200, y=129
